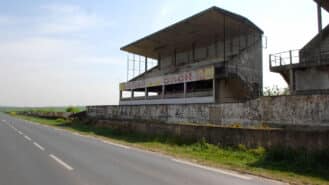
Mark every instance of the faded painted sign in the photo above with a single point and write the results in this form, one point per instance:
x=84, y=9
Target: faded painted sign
x=189, y=76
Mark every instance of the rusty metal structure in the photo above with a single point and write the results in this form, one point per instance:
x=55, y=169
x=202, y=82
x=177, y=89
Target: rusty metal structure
x=214, y=56
x=306, y=70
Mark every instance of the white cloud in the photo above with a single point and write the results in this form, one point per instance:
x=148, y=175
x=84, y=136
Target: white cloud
x=63, y=18
x=44, y=71
x=45, y=67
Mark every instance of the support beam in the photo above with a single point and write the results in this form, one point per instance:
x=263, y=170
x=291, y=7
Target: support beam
x=127, y=67
x=319, y=18
x=214, y=89
x=185, y=89
x=291, y=81
x=132, y=94
x=224, y=40
x=145, y=64
x=146, y=93
x=163, y=91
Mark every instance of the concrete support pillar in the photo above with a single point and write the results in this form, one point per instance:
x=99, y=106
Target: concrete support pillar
x=185, y=89
x=146, y=92
x=214, y=89
x=163, y=91
x=132, y=94
x=120, y=94
x=319, y=18
x=145, y=64
x=290, y=57
x=292, y=81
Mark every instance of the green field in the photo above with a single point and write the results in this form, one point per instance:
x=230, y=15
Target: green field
x=39, y=109
x=297, y=167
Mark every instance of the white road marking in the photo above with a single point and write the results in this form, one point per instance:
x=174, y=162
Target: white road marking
x=39, y=146
x=61, y=162
x=3, y=120
x=118, y=145
x=27, y=137
x=212, y=169
x=13, y=128
x=21, y=133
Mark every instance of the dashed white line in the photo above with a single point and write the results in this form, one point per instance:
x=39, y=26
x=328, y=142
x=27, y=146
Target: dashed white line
x=28, y=138
x=118, y=145
x=68, y=167
x=21, y=133
x=39, y=146
x=212, y=169
x=13, y=128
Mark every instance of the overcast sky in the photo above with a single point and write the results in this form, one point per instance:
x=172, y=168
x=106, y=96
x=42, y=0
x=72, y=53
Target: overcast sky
x=55, y=53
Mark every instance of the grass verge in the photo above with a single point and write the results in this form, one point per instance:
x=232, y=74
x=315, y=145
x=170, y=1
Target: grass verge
x=295, y=167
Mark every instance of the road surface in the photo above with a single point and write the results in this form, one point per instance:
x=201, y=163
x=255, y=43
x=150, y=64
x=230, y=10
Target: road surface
x=32, y=154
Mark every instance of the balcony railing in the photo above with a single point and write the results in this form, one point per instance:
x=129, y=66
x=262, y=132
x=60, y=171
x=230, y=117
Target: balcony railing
x=296, y=57
x=284, y=58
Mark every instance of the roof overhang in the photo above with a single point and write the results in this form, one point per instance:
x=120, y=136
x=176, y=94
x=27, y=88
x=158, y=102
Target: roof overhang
x=323, y=3
x=205, y=27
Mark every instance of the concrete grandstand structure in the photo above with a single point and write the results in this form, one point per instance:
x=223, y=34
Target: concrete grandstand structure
x=212, y=57
x=306, y=70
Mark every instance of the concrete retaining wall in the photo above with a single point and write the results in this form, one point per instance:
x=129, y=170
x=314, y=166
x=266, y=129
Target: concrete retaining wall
x=311, y=140
x=281, y=110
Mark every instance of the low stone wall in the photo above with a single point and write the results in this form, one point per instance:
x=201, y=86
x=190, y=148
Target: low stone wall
x=281, y=110
x=52, y=115
x=311, y=140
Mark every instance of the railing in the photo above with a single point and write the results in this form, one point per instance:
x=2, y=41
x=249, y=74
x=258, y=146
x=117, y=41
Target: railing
x=292, y=57
x=284, y=58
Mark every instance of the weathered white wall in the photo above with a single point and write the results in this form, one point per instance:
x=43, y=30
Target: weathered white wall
x=289, y=110
x=312, y=79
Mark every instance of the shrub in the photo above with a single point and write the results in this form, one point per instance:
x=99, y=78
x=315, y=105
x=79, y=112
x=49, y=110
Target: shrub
x=242, y=147
x=60, y=120
x=260, y=151
x=72, y=109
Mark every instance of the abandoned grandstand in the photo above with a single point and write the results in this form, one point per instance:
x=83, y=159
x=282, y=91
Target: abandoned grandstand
x=306, y=70
x=212, y=57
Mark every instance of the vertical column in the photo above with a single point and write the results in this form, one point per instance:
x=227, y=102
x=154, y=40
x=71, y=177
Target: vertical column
x=133, y=65
x=163, y=91
x=319, y=29
x=145, y=64
x=132, y=94
x=291, y=81
x=146, y=92
x=127, y=67
x=214, y=89
x=224, y=40
x=159, y=61
x=120, y=94
x=185, y=89
x=319, y=18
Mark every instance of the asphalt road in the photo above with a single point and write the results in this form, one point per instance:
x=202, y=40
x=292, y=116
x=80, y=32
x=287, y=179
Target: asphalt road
x=32, y=154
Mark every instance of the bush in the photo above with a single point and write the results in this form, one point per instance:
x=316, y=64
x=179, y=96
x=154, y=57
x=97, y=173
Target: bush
x=72, y=109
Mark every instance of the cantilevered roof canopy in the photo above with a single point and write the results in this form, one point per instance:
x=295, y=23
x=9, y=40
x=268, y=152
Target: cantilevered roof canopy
x=323, y=3
x=203, y=28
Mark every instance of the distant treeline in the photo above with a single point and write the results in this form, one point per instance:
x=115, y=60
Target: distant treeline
x=43, y=109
